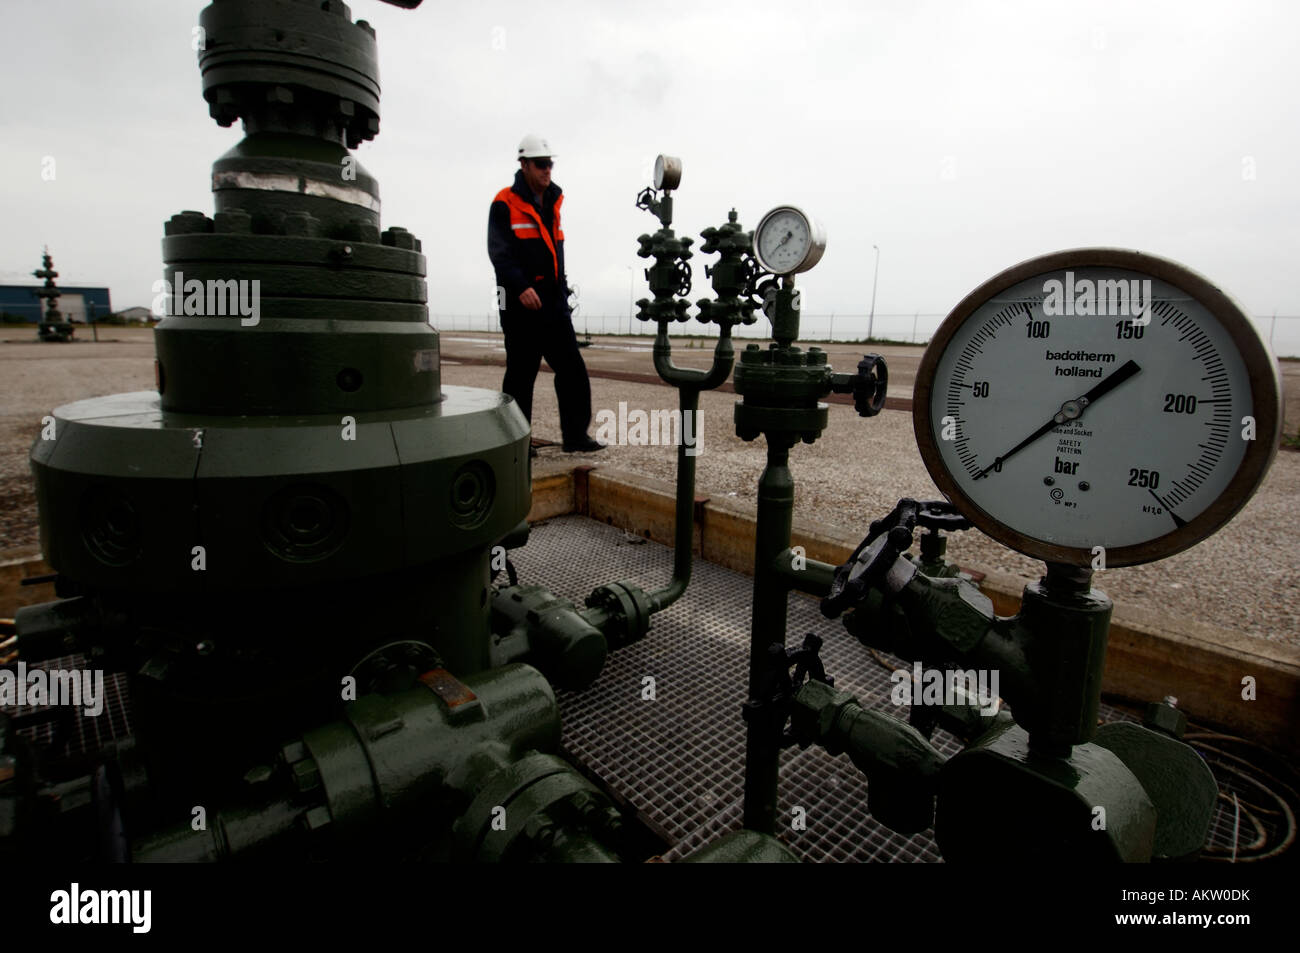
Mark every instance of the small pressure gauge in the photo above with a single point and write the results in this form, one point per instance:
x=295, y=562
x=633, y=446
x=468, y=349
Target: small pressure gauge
x=668, y=172
x=788, y=241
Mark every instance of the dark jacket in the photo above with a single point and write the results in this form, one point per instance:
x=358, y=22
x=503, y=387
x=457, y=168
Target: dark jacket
x=526, y=245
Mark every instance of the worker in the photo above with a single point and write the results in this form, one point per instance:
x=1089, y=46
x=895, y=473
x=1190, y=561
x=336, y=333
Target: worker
x=526, y=245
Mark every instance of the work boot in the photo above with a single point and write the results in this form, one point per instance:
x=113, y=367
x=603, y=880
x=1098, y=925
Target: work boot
x=585, y=445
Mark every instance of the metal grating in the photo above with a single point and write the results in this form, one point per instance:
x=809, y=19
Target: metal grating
x=70, y=729
x=679, y=759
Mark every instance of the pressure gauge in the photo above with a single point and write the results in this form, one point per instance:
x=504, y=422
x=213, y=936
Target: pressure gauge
x=668, y=172
x=1097, y=398
x=787, y=241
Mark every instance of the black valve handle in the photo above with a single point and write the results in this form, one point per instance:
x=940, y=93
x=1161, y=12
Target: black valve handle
x=886, y=540
x=870, y=386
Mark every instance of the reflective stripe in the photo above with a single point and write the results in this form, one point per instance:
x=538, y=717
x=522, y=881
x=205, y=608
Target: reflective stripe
x=525, y=217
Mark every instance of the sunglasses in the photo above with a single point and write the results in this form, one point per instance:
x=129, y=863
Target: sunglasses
x=542, y=163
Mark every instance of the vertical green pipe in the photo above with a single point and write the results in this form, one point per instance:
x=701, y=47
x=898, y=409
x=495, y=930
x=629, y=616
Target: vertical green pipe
x=684, y=530
x=763, y=731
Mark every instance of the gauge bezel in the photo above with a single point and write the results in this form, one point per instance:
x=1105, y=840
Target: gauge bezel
x=816, y=241
x=1261, y=371
x=667, y=172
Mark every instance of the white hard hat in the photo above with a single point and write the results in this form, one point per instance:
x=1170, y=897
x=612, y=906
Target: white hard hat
x=534, y=147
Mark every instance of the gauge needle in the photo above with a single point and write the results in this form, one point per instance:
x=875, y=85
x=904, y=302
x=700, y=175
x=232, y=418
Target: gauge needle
x=1070, y=410
x=788, y=236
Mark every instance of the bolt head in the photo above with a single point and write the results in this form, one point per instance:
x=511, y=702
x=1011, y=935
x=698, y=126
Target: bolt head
x=258, y=774
x=306, y=776
x=293, y=751
x=1166, y=718
x=316, y=818
x=233, y=221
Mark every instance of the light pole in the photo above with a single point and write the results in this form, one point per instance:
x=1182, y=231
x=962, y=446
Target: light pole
x=629, y=298
x=872, y=320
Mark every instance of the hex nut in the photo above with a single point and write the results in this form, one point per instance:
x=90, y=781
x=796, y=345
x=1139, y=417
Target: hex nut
x=188, y=223
x=300, y=223
x=317, y=818
x=1166, y=718
x=258, y=774
x=293, y=751
x=234, y=221
x=306, y=776
x=398, y=238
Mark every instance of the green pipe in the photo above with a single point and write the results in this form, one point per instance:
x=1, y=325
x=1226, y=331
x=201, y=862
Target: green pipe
x=684, y=528
x=724, y=359
x=901, y=766
x=764, y=723
x=689, y=382
x=812, y=575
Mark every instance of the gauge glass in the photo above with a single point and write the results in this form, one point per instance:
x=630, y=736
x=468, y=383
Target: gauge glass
x=788, y=241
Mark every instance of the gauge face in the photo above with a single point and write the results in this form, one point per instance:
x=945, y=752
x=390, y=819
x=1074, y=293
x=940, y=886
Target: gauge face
x=787, y=241
x=1097, y=397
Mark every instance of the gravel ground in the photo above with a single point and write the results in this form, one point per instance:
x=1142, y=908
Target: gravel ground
x=1245, y=578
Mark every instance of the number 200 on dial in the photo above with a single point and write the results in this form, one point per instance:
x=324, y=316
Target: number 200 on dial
x=1097, y=397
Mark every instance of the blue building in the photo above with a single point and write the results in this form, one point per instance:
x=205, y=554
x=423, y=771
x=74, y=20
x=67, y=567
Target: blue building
x=73, y=303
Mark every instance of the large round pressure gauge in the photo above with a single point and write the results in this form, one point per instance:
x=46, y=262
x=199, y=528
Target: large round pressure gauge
x=1097, y=398
x=787, y=241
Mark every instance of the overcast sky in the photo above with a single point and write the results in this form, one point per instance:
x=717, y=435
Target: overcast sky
x=960, y=138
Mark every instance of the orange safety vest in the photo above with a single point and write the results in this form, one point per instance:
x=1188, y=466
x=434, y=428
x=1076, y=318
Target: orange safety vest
x=526, y=222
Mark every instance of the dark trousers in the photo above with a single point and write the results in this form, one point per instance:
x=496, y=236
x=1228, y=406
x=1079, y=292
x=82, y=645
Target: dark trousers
x=531, y=336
